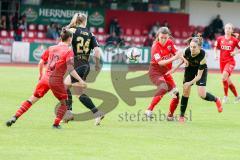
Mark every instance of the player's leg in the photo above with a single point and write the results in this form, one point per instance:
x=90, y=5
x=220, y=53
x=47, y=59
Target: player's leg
x=41, y=89
x=83, y=71
x=161, y=91
x=173, y=91
x=227, y=69
x=184, y=102
x=209, y=97
x=68, y=84
x=189, y=75
x=206, y=95
x=60, y=113
x=60, y=93
x=234, y=91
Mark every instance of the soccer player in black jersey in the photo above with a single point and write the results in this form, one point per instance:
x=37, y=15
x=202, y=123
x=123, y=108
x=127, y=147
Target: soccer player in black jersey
x=195, y=72
x=82, y=43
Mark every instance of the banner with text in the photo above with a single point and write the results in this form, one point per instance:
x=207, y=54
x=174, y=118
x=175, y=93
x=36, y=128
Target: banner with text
x=46, y=15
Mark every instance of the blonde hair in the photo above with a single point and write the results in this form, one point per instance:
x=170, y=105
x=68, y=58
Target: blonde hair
x=78, y=19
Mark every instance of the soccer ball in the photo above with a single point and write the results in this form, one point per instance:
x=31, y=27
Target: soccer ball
x=133, y=54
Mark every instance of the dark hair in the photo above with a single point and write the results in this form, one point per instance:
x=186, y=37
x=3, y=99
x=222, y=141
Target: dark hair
x=65, y=34
x=197, y=38
x=163, y=30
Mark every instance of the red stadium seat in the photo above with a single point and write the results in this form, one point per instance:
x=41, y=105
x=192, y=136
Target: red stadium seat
x=4, y=33
x=137, y=32
x=32, y=27
x=185, y=34
x=12, y=33
x=41, y=35
x=23, y=34
x=101, y=30
x=31, y=34
x=93, y=30
x=128, y=31
x=192, y=28
x=176, y=34
x=128, y=38
x=145, y=32
x=41, y=27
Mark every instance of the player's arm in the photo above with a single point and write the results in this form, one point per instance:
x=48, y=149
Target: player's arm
x=175, y=68
x=97, y=56
x=202, y=66
x=97, y=52
x=170, y=60
x=237, y=49
x=41, y=68
x=42, y=63
x=72, y=71
x=197, y=78
x=215, y=49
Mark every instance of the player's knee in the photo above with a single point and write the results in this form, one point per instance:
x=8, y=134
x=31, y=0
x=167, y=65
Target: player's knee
x=174, y=93
x=225, y=77
x=201, y=95
x=63, y=102
x=177, y=95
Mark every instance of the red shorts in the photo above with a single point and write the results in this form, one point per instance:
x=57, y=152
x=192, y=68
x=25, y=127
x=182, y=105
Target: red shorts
x=227, y=67
x=58, y=89
x=165, y=83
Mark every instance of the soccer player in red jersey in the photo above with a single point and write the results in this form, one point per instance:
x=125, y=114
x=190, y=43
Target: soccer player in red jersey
x=227, y=44
x=163, y=53
x=60, y=60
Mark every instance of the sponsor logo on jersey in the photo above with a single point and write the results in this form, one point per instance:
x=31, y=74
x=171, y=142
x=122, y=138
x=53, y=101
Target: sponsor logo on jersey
x=228, y=48
x=169, y=48
x=157, y=56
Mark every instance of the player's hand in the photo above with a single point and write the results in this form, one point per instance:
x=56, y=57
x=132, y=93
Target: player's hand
x=186, y=63
x=233, y=54
x=83, y=84
x=187, y=85
x=177, y=56
x=40, y=77
x=169, y=72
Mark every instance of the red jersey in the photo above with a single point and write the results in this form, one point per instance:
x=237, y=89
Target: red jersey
x=57, y=56
x=227, y=46
x=158, y=53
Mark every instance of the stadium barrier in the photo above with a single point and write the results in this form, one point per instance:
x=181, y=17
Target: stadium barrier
x=31, y=53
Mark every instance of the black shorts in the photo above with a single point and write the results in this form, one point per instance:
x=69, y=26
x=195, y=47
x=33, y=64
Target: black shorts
x=190, y=73
x=82, y=71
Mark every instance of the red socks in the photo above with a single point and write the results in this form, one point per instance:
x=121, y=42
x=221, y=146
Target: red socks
x=225, y=86
x=24, y=107
x=154, y=102
x=233, y=89
x=173, y=105
x=60, y=113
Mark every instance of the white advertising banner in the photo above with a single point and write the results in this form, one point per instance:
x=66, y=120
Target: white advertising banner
x=20, y=52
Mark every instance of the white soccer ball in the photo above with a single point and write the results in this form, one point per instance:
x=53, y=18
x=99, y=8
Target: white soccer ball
x=133, y=54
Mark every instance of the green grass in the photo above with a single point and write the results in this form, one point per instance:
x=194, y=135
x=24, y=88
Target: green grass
x=209, y=135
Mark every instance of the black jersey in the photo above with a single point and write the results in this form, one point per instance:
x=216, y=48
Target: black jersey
x=82, y=43
x=198, y=61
